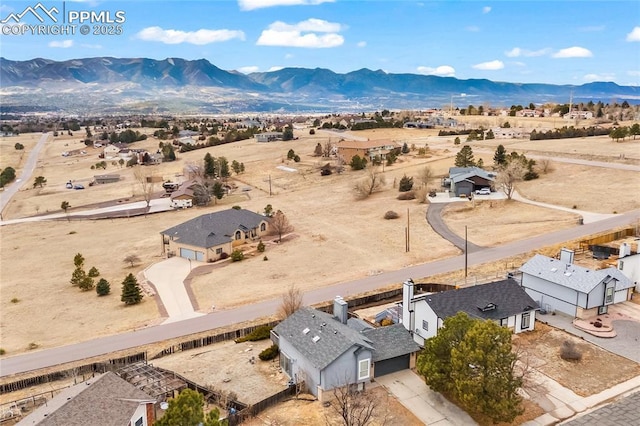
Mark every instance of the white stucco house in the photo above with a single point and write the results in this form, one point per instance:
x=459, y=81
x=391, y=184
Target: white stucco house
x=560, y=285
x=629, y=265
x=502, y=301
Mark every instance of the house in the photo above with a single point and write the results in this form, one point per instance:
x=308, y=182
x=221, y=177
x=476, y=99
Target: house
x=105, y=400
x=268, y=136
x=465, y=180
x=504, y=302
x=182, y=198
x=110, y=151
x=365, y=149
x=106, y=178
x=629, y=264
x=325, y=352
x=213, y=236
x=560, y=285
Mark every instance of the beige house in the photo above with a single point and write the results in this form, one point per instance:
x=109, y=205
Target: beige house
x=110, y=151
x=214, y=236
x=365, y=149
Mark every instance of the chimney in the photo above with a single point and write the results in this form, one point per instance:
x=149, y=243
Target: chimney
x=566, y=255
x=625, y=250
x=340, y=309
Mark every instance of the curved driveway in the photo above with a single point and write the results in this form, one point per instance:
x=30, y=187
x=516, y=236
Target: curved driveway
x=434, y=218
x=158, y=333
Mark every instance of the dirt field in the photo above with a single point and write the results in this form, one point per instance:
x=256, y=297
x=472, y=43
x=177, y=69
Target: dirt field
x=10, y=156
x=336, y=238
x=586, y=377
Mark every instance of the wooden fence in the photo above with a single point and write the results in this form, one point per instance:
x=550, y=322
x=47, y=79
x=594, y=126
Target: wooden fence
x=255, y=409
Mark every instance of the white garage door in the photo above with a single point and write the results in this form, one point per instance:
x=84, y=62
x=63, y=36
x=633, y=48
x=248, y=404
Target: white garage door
x=192, y=254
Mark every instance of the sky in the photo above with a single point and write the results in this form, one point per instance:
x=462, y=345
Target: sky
x=557, y=42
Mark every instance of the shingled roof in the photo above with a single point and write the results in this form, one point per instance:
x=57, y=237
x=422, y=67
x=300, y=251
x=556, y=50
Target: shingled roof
x=573, y=276
x=458, y=174
x=213, y=229
x=319, y=337
x=494, y=301
x=390, y=342
x=104, y=400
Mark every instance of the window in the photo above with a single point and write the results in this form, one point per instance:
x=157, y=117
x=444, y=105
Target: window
x=603, y=310
x=425, y=325
x=263, y=227
x=363, y=369
x=219, y=250
x=504, y=322
x=238, y=235
x=139, y=422
x=621, y=265
x=609, y=295
x=526, y=321
x=285, y=364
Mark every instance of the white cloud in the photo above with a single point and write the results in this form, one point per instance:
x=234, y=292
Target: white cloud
x=302, y=34
x=599, y=77
x=573, y=52
x=362, y=44
x=486, y=9
x=64, y=44
x=442, y=70
x=288, y=56
x=472, y=29
x=489, y=66
x=198, y=37
x=276, y=68
x=259, y=4
x=516, y=52
x=634, y=35
x=634, y=73
x=248, y=69
x=91, y=46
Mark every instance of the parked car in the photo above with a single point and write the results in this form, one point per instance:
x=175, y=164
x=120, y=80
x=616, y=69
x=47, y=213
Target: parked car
x=483, y=191
x=78, y=186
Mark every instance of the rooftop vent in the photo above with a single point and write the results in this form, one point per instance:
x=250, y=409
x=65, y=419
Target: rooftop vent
x=305, y=331
x=315, y=339
x=567, y=274
x=554, y=269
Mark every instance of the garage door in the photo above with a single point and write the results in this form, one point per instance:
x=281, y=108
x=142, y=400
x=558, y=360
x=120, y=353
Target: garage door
x=392, y=365
x=192, y=254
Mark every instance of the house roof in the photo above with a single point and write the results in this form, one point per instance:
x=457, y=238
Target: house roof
x=104, y=400
x=325, y=338
x=391, y=341
x=183, y=191
x=494, y=301
x=571, y=275
x=213, y=229
x=366, y=144
x=457, y=174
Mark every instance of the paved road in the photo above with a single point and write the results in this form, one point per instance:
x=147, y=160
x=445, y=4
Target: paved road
x=624, y=412
x=105, y=345
x=434, y=217
x=25, y=175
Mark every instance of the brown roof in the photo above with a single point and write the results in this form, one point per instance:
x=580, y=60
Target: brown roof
x=103, y=400
x=365, y=144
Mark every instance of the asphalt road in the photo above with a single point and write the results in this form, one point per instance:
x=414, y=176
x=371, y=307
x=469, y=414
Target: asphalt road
x=25, y=175
x=434, y=217
x=104, y=345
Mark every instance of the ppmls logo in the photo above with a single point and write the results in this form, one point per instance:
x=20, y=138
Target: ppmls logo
x=60, y=21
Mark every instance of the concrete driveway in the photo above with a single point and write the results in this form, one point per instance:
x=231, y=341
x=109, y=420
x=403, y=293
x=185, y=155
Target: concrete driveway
x=428, y=406
x=168, y=277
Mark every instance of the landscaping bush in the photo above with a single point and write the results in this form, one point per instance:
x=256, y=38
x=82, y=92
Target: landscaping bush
x=237, y=255
x=260, y=333
x=261, y=247
x=270, y=353
x=391, y=215
x=407, y=196
x=2, y=351
x=569, y=351
x=224, y=256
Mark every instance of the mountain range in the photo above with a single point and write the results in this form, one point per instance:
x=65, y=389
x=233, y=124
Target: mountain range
x=174, y=85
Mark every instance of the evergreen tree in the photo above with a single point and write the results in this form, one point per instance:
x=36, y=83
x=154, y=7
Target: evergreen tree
x=236, y=167
x=456, y=141
x=103, y=287
x=218, y=190
x=318, y=151
x=358, y=163
x=490, y=135
x=405, y=148
x=500, y=157
x=209, y=166
x=287, y=134
x=223, y=166
x=131, y=293
x=78, y=260
x=406, y=184
x=187, y=409
x=464, y=158
x=290, y=154
x=93, y=272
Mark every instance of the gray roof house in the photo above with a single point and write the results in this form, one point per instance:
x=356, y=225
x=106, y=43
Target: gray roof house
x=213, y=236
x=105, y=400
x=465, y=180
x=504, y=302
x=560, y=285
x=325, y=353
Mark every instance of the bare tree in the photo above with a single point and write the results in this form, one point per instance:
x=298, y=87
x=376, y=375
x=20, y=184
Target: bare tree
x=291, y=302
x=131, y=259
x=426, y=176
x=145, y=178
x=545, y=165
x=508, y=176
x=353, y=407
x=326, y=150
x=280, y=225
x=373, y=182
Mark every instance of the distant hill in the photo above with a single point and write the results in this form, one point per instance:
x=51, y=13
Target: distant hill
x=177, y=85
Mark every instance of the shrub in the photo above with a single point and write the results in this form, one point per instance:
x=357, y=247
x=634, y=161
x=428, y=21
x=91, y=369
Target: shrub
x=2, y=351
x=569, y=351
x=270, y=353
x=261, y=247
x=237, y=255
x=15, y=300
x=236, y=208
x=407, y=196
x=32, y=346
x=224, y=256
x=265, y=258
x=406, y=184
x=312, y=132
x=385, y=322
x=391, y=215
x=261, y=333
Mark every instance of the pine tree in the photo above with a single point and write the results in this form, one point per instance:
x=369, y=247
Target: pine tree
x=500, y=157
x=209, y=166
x=103, y=287
x=406, y=184
x=464, y=158
x=405, y=148
x=131, y=293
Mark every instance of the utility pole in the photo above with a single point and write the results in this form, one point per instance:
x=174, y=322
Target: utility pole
x=408, y=233
x=466, y=252
x=269, y=185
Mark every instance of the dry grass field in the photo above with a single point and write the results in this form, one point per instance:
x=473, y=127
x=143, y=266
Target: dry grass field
x=10, y=156
x=336, y=238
